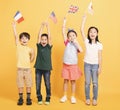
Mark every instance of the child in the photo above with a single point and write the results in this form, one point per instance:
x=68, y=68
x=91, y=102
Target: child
x=43, y=64
x=92, y=61
x=25, y=55
x=71, y=71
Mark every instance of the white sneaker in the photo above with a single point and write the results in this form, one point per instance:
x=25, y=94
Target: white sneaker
x=94, y=103
x=87, y=102
x=73, y=100
x=63, y=99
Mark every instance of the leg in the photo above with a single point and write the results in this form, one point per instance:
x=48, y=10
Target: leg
x=73, y=88
x=38, y=84
x=20, y=84
x=46, y=76
x=28, y=100
x=65, y=88
x=87, y=71
x=95, y=81
x=28, y=80
x=20, y=100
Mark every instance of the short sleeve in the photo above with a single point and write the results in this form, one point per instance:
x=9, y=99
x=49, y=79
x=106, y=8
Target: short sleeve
x=100, y=46
x=86, y=40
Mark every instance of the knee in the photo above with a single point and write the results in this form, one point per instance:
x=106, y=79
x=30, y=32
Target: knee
x=65, y=81
x=95, y=85
x=73, y=82
x=87, y=84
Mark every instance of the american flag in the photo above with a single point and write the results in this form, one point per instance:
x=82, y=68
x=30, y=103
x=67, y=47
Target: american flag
x=18, y=17
x=73, y=9
x=53, y=17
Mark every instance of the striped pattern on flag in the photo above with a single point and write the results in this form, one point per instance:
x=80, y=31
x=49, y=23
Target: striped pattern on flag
x=18, y=17
x=53, y=17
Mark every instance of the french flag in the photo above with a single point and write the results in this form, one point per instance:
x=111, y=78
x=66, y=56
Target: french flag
x=18, y=17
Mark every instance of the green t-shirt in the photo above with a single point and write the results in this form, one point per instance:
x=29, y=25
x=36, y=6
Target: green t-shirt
x=43, y=60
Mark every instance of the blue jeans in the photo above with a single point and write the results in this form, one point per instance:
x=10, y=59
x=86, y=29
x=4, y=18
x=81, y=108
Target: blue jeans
x=46, y=76
x=91, y=72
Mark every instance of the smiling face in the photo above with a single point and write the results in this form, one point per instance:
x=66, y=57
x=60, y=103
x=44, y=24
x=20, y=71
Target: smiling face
x=24, y=40
x=71, y=35
x=93, y=33
x=44, y=41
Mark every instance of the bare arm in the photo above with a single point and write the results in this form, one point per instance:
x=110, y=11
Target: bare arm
x=82, y=27
x=40, y=33
x=64, y=29
x=15, y=33
x=49, y=35
x=76, y=43
x=99, y=61
x=32, y=55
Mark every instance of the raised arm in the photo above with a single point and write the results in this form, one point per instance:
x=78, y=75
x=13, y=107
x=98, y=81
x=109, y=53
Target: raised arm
x=49, y=35
x=40, y=33
x=82, y=27
x=64, y=29
x=15, y=33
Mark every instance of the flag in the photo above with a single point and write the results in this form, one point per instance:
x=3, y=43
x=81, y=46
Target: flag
x=90, y=8
x=73, y=9
x=18, y=17
x=53, y=17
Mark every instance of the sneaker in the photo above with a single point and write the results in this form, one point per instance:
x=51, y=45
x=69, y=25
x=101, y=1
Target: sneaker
x=94, y=103
x=63, y=99
x=87, y=102
x=20, y=101
x=40, y=102
x=47, y=101
x=73, y=100
x=28, y=101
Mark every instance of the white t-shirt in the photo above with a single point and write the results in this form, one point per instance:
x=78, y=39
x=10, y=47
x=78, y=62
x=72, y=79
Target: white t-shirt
x=91, y=55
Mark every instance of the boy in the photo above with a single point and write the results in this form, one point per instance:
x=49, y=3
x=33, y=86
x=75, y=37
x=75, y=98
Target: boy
x=25, y=55
x=43, y=64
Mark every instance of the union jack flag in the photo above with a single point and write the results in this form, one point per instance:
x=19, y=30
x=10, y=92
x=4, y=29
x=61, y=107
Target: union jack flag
x=73, y=9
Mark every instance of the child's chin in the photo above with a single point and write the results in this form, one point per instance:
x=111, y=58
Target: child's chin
x=44, y=45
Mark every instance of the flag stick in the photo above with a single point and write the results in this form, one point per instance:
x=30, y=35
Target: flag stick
x=47, y=18
x=66, y=14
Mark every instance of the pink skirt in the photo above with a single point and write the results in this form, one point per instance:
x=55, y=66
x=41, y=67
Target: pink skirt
x=71, y=72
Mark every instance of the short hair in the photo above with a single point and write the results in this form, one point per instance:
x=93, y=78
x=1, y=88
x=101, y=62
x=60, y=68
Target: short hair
x=44, y=34
x=25, y=34
x=70, y=32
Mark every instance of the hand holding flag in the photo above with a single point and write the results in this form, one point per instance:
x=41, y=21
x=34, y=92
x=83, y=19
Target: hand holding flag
x=18, y=17
x=90, y=8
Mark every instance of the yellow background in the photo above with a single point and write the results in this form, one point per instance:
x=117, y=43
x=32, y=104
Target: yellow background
x=106, y=17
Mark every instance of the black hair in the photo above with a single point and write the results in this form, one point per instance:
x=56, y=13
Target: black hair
x=96, y=39
x=44, y=34
x=27, y=35
x=70, y=32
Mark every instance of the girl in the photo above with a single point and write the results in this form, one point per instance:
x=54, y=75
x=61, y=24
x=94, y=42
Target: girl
x=92, y=61
x=70, y=71
x=43, y=64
